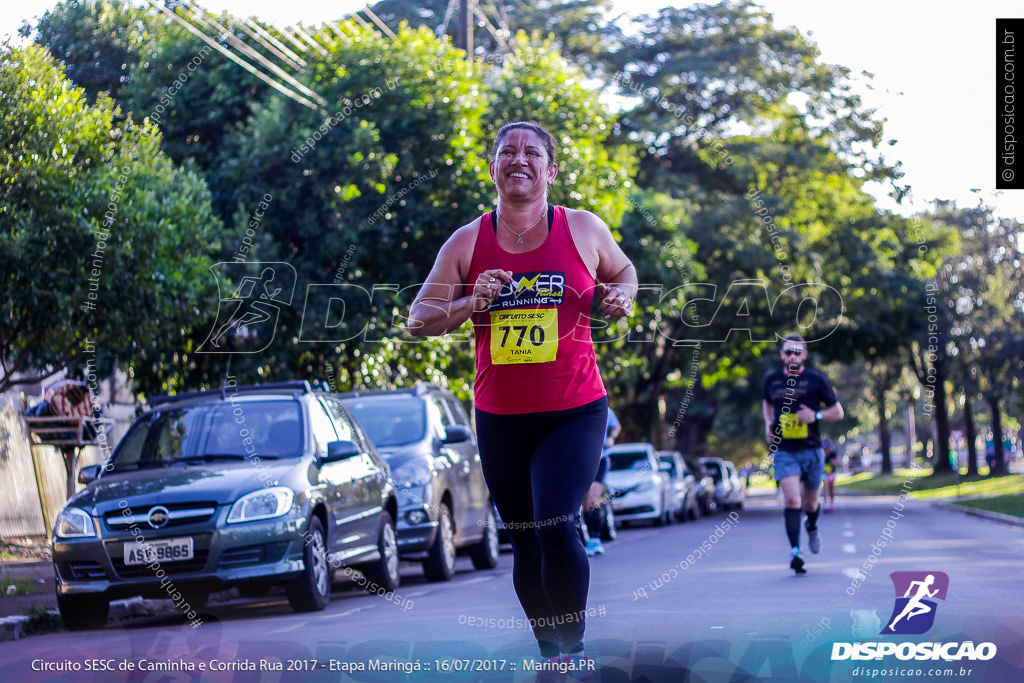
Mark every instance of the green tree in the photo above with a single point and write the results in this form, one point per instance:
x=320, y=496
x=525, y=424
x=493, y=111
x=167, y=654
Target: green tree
x=99, y=42
x=580, y=29
x=105, y=243
x=986, y=306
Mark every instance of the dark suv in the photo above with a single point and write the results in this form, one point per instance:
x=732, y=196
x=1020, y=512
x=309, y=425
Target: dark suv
x=245, y=486
x=443, y=503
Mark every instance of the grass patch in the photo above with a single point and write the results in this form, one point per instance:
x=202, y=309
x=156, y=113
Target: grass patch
x=761, y=481
x=10, y=585
x=882, y=483
x=945, y=486
x=928, y=486
x=1008, y=505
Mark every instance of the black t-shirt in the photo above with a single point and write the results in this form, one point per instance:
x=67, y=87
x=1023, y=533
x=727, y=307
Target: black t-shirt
x=786, y=393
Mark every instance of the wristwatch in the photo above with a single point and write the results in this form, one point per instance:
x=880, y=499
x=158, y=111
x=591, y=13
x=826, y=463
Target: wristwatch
x=817, y=416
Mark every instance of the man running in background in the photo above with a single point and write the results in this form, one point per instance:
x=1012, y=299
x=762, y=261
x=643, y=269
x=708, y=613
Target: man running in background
x=796, y=399
x=592, y=516
x=831, y=466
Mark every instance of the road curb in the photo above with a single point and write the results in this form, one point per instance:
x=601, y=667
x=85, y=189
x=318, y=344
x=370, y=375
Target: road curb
x=12, y=628
x=984, y=514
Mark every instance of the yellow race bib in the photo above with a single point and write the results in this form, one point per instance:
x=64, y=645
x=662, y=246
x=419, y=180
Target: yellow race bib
x=792, y=427
x=524, y=335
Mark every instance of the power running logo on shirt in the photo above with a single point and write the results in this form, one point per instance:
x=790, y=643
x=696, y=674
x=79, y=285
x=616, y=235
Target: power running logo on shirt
x=914, y=613
x=544, y=288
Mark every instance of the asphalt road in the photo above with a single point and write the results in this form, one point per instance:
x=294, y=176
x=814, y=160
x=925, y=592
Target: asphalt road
x=712, y=600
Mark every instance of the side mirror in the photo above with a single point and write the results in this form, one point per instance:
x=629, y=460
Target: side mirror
x=89, y=474
x=457, y=434
x=340, y=450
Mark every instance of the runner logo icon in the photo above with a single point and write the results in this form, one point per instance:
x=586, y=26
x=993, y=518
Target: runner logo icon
x=542, y=288
x=914, y=611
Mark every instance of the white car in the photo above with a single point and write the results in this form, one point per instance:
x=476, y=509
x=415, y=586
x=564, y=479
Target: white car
x=640, y=489
x=729, y=487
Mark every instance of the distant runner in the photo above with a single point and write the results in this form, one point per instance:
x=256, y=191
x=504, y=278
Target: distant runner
x=796, y=399
x=592, y=516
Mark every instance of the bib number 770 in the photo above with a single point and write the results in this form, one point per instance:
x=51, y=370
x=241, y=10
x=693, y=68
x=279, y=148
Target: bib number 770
x=524, y=336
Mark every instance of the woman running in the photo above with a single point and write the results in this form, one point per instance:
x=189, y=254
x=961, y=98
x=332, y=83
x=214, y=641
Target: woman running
x=526, y=274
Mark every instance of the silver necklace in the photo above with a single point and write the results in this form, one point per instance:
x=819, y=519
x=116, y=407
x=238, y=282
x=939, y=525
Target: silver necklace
x=519, y=235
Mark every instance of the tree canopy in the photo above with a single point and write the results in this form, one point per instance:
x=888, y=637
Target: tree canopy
x=730, y=160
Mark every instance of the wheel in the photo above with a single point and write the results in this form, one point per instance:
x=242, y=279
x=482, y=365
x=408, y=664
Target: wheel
x=311, y=591
x=253, y=590
x=82, y=613
x=663, y=513
x=609, y=531
x=485, y=553
x=440, y=562
x=383, y=573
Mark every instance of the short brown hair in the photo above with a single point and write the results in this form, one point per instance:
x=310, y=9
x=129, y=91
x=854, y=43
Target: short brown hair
x=794, y=337
x=547, y=139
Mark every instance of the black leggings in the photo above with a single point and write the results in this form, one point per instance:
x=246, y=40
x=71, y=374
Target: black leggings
x=539, y=467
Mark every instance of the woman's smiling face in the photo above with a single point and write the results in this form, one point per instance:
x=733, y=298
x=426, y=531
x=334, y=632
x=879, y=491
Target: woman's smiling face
x=521, y=167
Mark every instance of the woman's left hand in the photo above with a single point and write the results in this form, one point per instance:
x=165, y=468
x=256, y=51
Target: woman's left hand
x=615, y=301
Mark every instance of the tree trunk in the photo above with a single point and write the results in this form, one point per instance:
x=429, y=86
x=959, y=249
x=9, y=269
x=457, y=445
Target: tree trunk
x=941, y=464
x=884, y=437
x=972, y=436
x=911, y=428
x=997, y=435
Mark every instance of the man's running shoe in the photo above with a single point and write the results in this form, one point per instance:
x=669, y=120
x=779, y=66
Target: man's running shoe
x=594, y=547
x=814, y=540
x=797, y=563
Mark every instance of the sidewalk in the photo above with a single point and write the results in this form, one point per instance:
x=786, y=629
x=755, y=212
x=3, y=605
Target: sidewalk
x=19, y=575
x=37, y=577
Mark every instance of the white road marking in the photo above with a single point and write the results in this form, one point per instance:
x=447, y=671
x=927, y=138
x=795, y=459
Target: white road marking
x=477, y=580
x=848, y=533
x=850, y=548
x=853, y=573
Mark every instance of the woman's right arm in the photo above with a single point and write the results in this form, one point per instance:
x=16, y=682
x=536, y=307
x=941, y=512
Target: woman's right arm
x=437, y=309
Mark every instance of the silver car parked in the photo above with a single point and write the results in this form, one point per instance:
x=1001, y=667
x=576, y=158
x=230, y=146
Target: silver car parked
x=444, y=507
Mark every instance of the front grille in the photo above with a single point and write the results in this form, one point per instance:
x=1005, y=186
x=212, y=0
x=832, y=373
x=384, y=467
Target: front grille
x=81, y=571
x=638, y=510
x=178, y=514
x=266, y=553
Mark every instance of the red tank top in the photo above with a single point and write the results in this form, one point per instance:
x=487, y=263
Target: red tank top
x=534, y=352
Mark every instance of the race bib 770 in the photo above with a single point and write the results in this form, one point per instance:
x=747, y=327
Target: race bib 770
x=524, y=335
